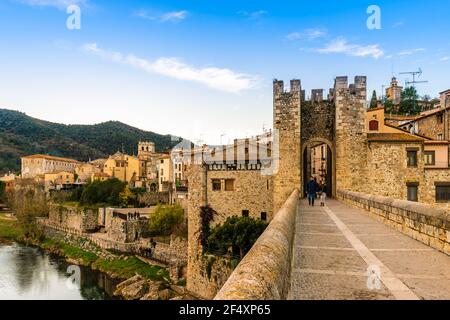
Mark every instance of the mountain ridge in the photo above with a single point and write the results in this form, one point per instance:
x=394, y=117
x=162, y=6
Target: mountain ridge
x=22, y=135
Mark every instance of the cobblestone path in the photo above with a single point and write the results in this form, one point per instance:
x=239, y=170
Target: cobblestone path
x=342, y=253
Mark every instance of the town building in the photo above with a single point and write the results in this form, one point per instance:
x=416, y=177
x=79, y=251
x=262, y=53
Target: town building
x=124, y=167
x=59, y=180
x=394, y=92
x=40, y=164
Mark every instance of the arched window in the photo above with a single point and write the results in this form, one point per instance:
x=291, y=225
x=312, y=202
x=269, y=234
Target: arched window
x=373, y=125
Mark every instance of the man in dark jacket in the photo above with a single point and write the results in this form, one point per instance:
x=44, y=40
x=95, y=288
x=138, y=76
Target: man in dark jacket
x=311, y=189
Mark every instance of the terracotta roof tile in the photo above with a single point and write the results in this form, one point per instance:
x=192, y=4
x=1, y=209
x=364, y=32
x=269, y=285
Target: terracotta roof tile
x=46, y=156
x=393, y=137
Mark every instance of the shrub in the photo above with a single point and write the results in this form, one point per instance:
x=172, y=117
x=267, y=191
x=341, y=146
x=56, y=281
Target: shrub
x=237, y=233
x=106, y=192
x=166, y=219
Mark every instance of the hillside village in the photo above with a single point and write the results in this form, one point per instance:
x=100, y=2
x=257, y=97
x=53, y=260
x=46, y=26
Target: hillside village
x=401, y=156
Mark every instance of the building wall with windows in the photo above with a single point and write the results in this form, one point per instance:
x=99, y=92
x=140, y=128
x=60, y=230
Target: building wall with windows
x=40, y=164
x=238, y=193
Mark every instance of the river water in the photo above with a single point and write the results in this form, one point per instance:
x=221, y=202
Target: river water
x=28, y=273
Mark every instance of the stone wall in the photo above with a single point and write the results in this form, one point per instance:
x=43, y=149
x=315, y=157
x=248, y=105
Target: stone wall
x=80, y=219
x=317, y=121
x=389, y=172
x=350, y=135
x=264, y=272
x=252, y=192
x=287, y=126
x=425, y=223
x=427, y=190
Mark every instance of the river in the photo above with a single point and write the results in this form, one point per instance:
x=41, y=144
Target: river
x=28, y=273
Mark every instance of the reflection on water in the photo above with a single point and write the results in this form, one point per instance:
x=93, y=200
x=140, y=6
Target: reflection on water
x=28, y=273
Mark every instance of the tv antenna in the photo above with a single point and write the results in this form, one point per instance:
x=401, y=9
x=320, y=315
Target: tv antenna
x=414, y=74
x=414, y=82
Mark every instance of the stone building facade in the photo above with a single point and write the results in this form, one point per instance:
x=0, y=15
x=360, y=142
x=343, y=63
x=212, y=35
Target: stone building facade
x=40, y=164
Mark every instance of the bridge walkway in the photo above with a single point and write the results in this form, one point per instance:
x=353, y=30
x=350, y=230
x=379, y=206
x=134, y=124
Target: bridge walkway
x=341, y=253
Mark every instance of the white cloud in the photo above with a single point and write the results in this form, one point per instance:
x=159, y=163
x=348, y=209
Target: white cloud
x=411, y=52
x=309, y=34
x=399, y=24
x=217, y=78
x=445, y=59
x=254, y=15
x=173, y=16
x=60, y=4
x=340, y=45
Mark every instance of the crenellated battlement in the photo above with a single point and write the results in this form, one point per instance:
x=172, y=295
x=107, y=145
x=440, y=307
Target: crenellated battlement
x=358, y=88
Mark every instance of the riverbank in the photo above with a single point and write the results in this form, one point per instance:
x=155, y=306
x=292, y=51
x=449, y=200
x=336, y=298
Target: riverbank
x=117, y=266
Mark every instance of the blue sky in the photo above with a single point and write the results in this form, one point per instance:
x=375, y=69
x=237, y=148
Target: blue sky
x=202, y=69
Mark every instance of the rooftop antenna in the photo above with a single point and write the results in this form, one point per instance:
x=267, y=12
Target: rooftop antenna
x=414, y=82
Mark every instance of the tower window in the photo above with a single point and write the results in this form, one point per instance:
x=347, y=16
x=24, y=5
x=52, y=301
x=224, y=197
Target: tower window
x=245, y=213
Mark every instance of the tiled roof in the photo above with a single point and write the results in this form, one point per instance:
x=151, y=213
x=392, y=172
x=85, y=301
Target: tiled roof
x=45, y=156
x=393, y=137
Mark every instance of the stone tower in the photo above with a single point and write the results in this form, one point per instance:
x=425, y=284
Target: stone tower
x=146, y=148
x=351, y=139
x=287, y=129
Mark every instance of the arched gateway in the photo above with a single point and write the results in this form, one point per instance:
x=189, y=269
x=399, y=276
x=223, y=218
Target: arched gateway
x=320, y=138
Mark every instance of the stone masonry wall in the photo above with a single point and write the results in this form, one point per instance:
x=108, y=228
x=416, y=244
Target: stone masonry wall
x=389, y=172
x=264, y=272
x=351, y=139
x=83, y=220
x=287, y=125
x=252, y=191
x=425, y=223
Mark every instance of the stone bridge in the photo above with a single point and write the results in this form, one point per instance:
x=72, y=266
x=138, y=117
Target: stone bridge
x=360, y=247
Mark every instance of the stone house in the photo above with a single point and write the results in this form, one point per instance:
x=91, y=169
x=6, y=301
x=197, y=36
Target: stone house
x=40, y=164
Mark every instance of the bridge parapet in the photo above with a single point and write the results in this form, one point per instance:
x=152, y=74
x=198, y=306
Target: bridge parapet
x=264, y=272
x=423, y=222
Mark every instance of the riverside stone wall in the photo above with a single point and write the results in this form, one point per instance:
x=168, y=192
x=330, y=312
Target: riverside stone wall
x=264, y=272
x=425, y=223
x=83, y=220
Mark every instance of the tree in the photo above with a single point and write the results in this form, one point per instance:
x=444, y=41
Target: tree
x=237, y=233
x=27, y=205
x=166, y=219
x=105, y=192
x=2, y=191
x=126, y=197
x=374, y=100
x=409, y=103
x=388, y=105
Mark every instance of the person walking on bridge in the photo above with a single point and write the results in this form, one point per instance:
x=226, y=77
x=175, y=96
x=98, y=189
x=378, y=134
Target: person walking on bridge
x=312, y=189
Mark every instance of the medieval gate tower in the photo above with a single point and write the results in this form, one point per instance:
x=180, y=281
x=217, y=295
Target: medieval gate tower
x=337, y=121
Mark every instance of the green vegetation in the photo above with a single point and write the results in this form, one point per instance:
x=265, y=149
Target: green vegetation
x=236, y=235
x=127, y=268
x=27, y=205
x=106, y=192
x=9, y=229
x=22, y=135
x=69, y=251
x=374, y=100
x=2, y=191
x=121, y=268
x=166, y=220
x=409, y=103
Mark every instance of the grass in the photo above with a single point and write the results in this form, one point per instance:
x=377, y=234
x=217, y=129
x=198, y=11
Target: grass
x=120, y=268
x=69, y=251
x=128, y=268
x=9, y=229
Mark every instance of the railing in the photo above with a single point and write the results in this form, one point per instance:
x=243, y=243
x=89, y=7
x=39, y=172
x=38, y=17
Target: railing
x=264, y=273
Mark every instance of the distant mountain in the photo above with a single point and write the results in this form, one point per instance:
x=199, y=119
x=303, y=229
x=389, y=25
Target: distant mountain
x=22, y=135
